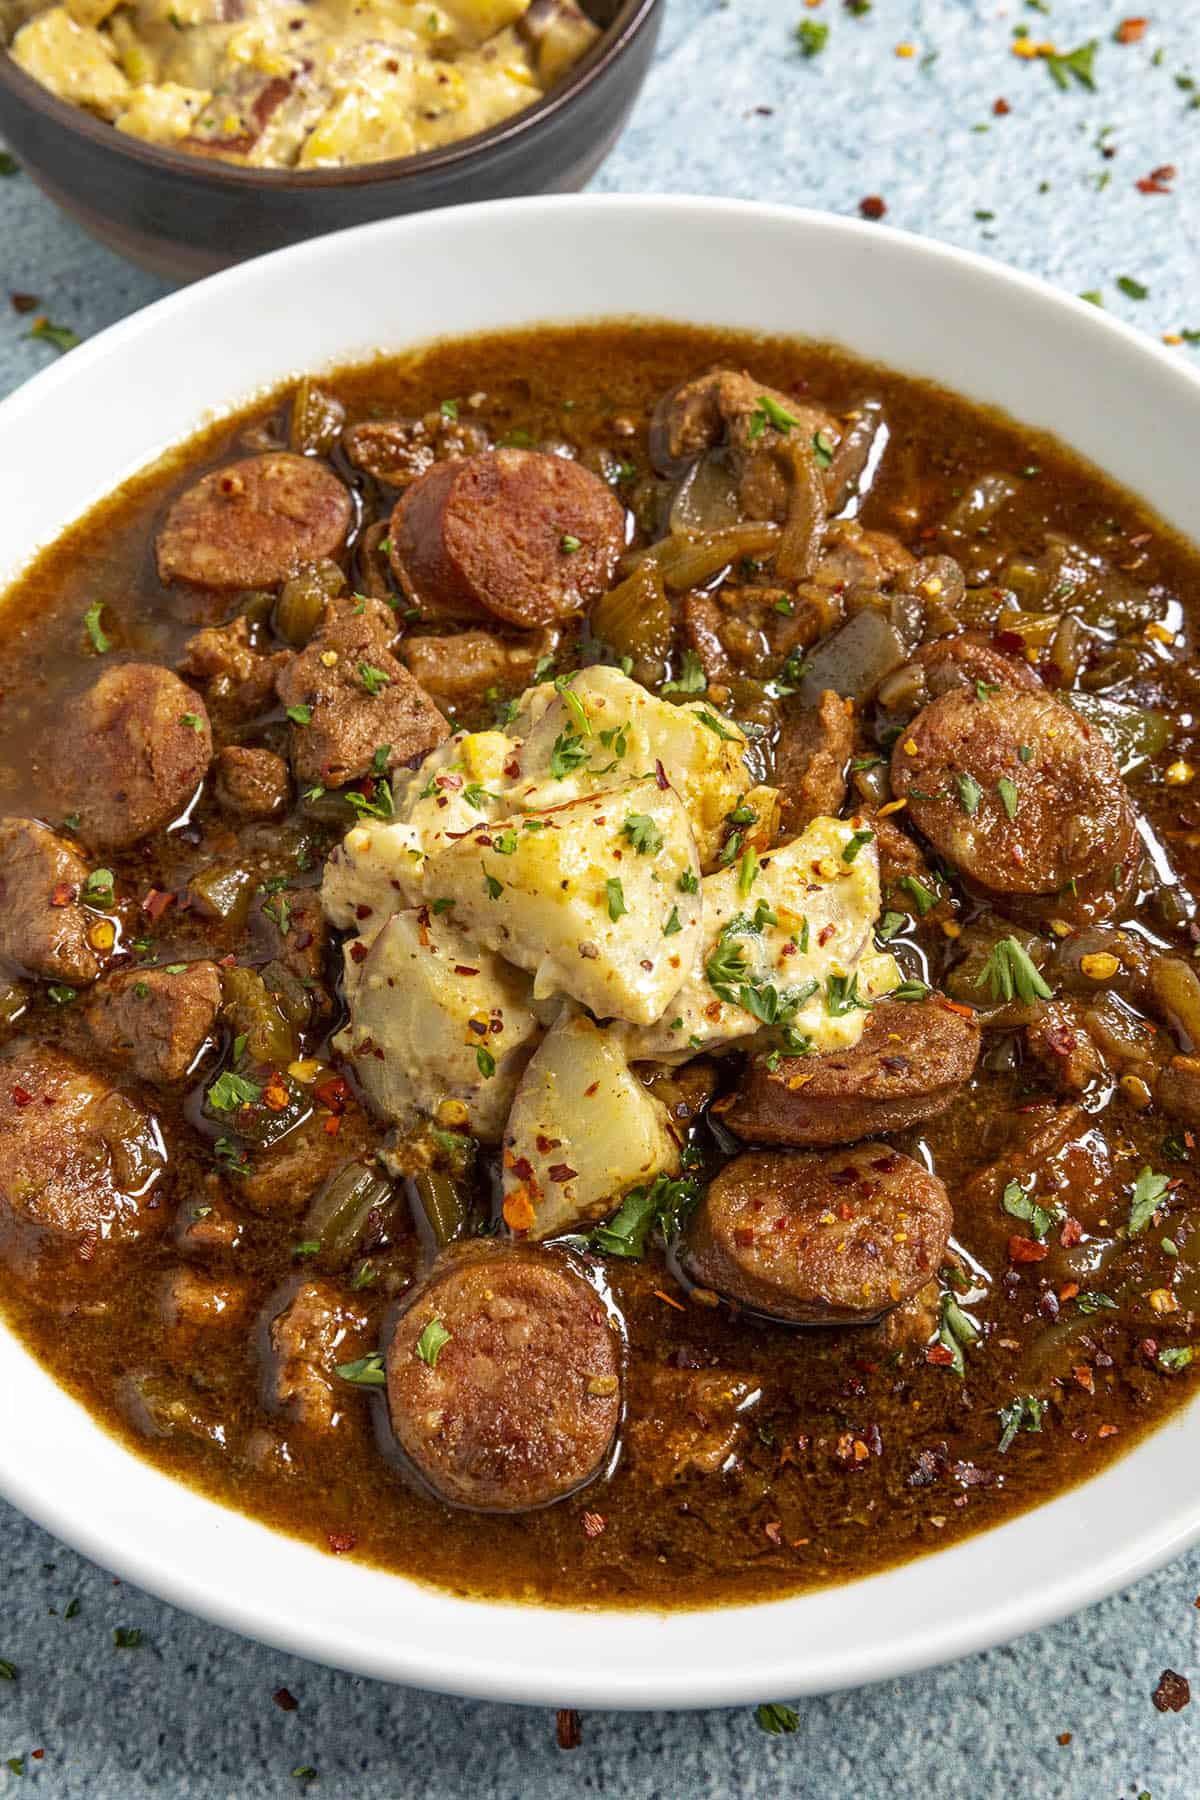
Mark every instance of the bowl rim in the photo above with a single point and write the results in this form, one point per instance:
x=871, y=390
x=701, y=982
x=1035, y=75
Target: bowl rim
x=631, y=17
x=567, y=1656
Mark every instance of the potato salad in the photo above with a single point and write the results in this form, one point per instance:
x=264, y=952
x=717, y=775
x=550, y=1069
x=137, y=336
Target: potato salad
x=557, y=913
x=279, y=85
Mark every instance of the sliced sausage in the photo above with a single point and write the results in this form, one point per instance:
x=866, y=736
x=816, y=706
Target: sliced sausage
x=526, y=537
x=154, y=1021
x=79, y=1164
x=1024, y=798
x=348, y=697
x=43, y=928
x=520, y=1404
x=253, y=523
x=134, y=749
x=397, y=451
x=250, y=783
x=909, y=1064
x=827, y=1239
x=811, y=758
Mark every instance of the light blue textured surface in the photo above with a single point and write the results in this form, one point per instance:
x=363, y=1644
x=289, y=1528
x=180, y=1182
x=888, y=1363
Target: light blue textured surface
x=189, y=1712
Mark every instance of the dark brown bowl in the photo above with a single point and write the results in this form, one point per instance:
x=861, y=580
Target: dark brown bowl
x=183, y=216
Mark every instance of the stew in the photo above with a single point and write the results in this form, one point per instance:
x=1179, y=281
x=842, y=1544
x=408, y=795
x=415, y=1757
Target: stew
x=600, y=993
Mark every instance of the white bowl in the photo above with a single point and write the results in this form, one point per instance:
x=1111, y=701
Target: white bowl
x=77, y=430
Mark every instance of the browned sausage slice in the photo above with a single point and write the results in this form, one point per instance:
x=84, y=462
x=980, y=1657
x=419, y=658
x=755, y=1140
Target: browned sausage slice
x=253, y=523
x=1024, y=798
x=835, y=1238
x=43, y=928
x=135, y=747
x=526, y=537
x=519, y=1405
x=811, y=758
x=908, y=1065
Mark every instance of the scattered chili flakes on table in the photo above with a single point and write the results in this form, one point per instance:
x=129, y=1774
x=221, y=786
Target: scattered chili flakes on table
x=873, y=206
x=1158, y=181
x=1173, y=1692
x=1130, y=31
x=285, y=1700
x=567, y=1728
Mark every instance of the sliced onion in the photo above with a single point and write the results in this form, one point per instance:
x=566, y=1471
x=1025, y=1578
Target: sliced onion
x=707, y=499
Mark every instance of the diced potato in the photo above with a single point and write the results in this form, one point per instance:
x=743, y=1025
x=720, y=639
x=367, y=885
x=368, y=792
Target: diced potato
x=433, y=1017
x=163, y=114
x=476, y=20
x=815, y=898
x=583, y=1130
x=628, y=732
x=73, y=61
x=585, y=895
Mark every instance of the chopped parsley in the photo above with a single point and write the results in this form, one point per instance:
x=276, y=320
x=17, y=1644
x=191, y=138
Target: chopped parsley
x=492, y=887
x=573, y=704
x=1020, y=1205
x=662, y=1204
x=126, y=1637
x=365, y=1371
x=1077, y=63
x=771, y=1716
x=300, y=715
x=1176, y=1358
x=955, y=1331
x=1149, y=1192
x=616, y=900
x=1023, y=1414
x=748, y=869
x=923, y=898
x=889, y=925
x=568, y=753
x=812, y=37
x=691, y=678
x=689, y=882
x=505, y=842
x=374, y=680
x=841, y=995
x=60, y=336
x=1010, y=972
x=714, y=724
x=485, y=1062
x=969, y=794
x=193, y=721
x=643, y=834
x=568, y=543
x=101, y=642
x=911, y=990
x=231, y=1091
x=1135, y=290
x=98, y=888
x=673, y=924
x=855, y=843
x=1009, y=798
x=62, y=996
x=432, y=1342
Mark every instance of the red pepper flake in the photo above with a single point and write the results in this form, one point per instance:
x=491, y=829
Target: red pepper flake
x=1071, y=1234
x=774, y=1530
x=940, y=1355
x=562, y=1172
x=334, y=1093
x=340, y=1541
x=1173, y=1692
x=1084, y=1378
x=1001, y=108
x=522, y=1168
x=275, y=1094
x=1158, y=181
x=546, y=1144
x=333, y=1125
x=660, y=775
x=21, y=1096
x=1131, y=31
x=462, y=969
x=156, y=903
x=873, y=206
x=358, y=951
x=1064, y=1737
x=593, y=1524
x=1107, y=1431
x=62, y=893
x=589, y=1091
x=24, y=303
x=567, y=1728
x=363, y=912
x=285, y=1701
x=37, y=1755
x=1026, y=1250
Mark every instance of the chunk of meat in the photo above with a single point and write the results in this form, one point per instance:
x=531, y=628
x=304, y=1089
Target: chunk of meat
x=253, y=523
x=1024, y=798
x=968, y=657
x=908, y=1065
x=206, y=1224
x=43, y=928
x=239, y=677
x=725, y=407
x=155, y=1022
x=529, y=538
x=281, y=1181
x=79, y=1166
x=250, y=783
x=353, y=698
x=134, y=748
x=1058, y=1041
x=1057, y=1154
x=1177, y=1090
x=192, y=1305
x=811, y=758
x=314, y=1331
x=290, y=927
x=826, y=1239
x=912, y=1324
x=519, y=1405
x=461, y=668
x=687, y=1422
x=397, y=451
